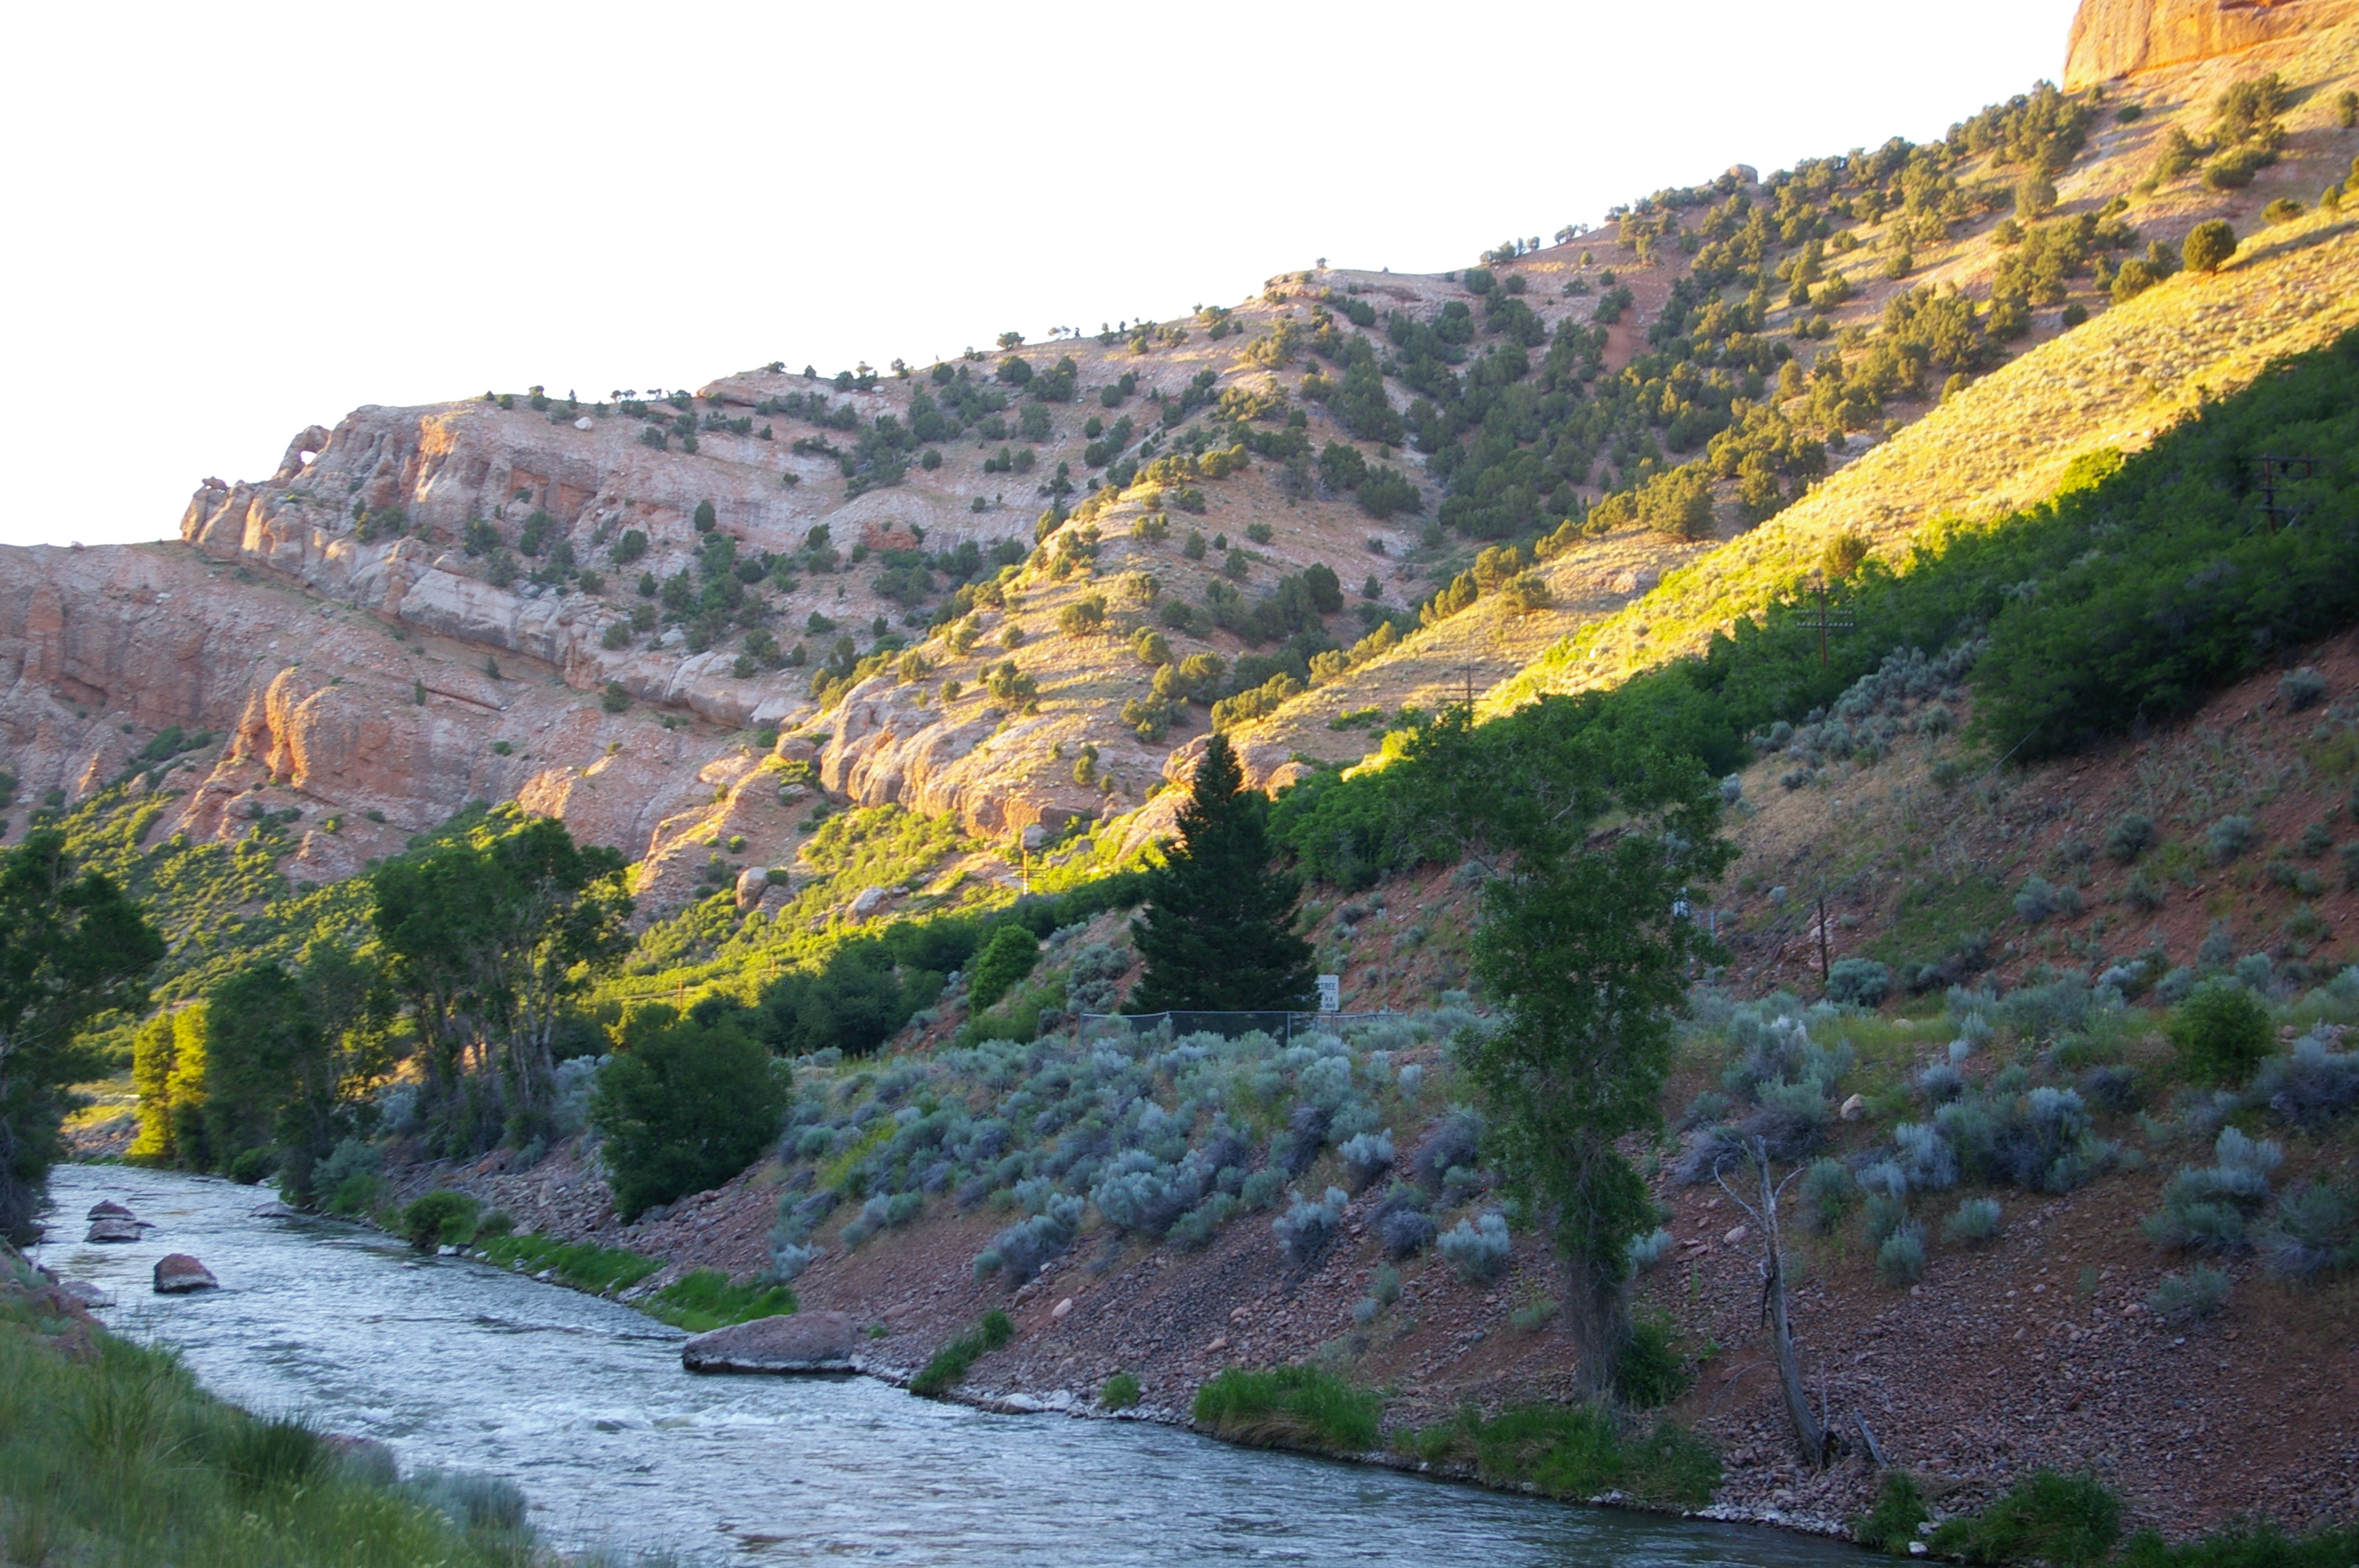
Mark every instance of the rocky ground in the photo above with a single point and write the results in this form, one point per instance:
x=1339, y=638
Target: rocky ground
x=2034, y=1350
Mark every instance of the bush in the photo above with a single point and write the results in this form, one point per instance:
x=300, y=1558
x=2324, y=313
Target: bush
x=1829, y=1190
x=1974, y=1220
x=1859, y=982
x=1290, y=1406
x=2040, y=899
x=1120, y=1393
x=2129, y=837
x=2315, y=1230
x=686, y=1102
x=1478, y=1251
x=1651, y=1372
x=2229, y=836
x=2208, y=245
x=2068, y=1521
x=952, y=1363
x=1306, y=1228
x=2220, y=1033
x=440, y=1220
x=2311, y=1086
x=1004, y=962
x=1366, y=1156
x=2304, y=688
x=2188, y=1297
x=1901, y=1259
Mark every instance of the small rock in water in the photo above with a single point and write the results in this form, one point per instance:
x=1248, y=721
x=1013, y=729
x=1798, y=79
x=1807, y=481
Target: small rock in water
x=108, y=1208
x=113, y=1229
x=177, y=1274
x=90, y=1295
x=277, y=1210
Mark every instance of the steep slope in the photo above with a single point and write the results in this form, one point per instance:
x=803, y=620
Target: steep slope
x=944, y=586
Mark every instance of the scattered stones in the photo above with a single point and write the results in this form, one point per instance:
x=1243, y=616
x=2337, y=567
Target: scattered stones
x=176, y=1274
x=803, y=1342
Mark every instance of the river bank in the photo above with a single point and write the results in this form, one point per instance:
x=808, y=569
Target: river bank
x=582, y=1402
x=2033, y=1351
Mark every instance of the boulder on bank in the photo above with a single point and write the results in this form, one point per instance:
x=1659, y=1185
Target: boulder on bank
x=176, y=1274
x=113, y=1229
x=88, y=1295
x=804, y=1342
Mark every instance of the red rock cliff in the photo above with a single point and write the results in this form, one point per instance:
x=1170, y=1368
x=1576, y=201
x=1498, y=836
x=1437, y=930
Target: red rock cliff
x=2119, y=37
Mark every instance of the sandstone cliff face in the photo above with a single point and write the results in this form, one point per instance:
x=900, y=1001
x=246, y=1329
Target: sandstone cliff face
x=2121, y=37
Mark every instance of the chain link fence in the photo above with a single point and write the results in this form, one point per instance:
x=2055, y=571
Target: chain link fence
x=1169, y=1026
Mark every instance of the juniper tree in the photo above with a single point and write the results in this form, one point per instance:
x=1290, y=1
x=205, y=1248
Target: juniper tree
x=1218, y=934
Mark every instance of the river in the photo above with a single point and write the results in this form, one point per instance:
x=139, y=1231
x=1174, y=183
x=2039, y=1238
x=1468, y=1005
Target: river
x=583, y=1403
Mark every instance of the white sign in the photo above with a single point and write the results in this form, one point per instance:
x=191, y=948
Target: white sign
x=1331, y=993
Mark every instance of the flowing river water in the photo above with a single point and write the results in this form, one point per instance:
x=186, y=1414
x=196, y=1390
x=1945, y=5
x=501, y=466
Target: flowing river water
x=583, y=1403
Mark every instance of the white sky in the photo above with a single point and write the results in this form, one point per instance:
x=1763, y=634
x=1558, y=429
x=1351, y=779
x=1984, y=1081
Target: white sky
x=225, y=222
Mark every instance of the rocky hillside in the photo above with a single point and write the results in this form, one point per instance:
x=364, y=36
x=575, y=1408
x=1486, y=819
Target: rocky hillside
x=1011, y=587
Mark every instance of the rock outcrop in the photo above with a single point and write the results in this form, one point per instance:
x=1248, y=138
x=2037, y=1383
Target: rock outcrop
x=805, y=1342
x=2113, y=39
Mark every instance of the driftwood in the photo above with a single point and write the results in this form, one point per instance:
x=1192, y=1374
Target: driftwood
x=1817, y=1445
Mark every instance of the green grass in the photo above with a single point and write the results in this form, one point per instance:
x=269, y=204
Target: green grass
x=2245, y=1546
x=1121, y=1392
x=1574, y=1451
x=705, y=1299
x=1892, y=1523
x=120, y=1458
x=584, y=1265
x=1936, y=918
x=1290, y=1406
x=2047, y=1517
x=952, y=1363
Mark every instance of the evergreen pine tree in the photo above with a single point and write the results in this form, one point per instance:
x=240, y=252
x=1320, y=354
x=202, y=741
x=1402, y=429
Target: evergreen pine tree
x=1217, y=932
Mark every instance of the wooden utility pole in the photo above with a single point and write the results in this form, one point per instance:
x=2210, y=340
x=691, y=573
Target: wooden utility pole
x=2273, y=470
x=1825, y=620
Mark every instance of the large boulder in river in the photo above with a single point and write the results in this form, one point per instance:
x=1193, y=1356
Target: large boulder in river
x=805, y=1342
x=176, y=1274
x=107, y=1209
x=113, y=1229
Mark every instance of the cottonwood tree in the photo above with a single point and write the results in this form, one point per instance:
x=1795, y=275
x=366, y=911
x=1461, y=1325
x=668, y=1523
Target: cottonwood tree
x=1590, y=837
x=290, y=1057
x=1217, y=934
x=488, y=937
x=71, y=947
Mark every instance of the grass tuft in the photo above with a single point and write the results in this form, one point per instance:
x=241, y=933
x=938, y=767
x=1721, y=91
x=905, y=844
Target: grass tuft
x=1290, y=1406
x=584, y=1265
x=707, y=1298
x=952, y=1363
x=2068, y=1521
